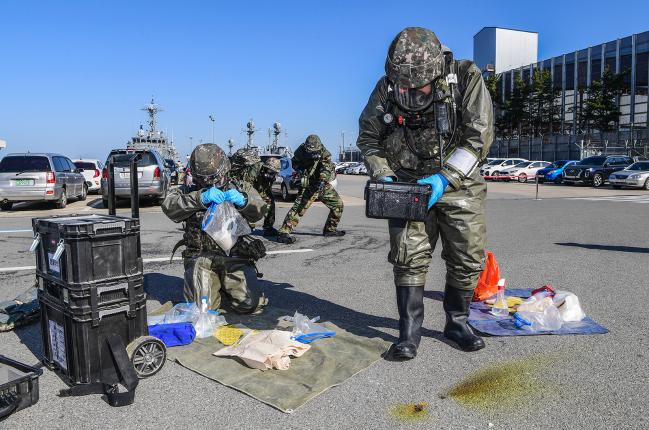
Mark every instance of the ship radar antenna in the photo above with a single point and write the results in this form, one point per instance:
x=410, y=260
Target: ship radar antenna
x=230, y=145
x=250, y=131
x=152, y=109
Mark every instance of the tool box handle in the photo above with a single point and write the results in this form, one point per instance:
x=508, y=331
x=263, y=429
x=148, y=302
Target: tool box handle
x=135, y=198
x=104, y=312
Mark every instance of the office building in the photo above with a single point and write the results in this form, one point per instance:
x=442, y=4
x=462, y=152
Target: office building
x=504, y=49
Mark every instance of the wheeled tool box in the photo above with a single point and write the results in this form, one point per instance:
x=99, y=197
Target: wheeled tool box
x=78, y=249
x=396, y=200
x=18, y=386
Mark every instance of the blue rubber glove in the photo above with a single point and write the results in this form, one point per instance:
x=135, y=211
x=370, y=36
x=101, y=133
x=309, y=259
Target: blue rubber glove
x=235, y=197
x=439, y=183
x=386, y=179
x=212, y=195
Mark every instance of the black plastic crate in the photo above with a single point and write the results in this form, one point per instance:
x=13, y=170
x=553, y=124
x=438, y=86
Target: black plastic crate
x=83, y=298
x=396, y=200
x=18, y=386
x=94, y=247
x=75, y=346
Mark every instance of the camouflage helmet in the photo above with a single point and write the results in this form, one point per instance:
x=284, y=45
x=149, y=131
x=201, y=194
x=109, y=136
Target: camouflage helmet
x=415, y=58
x=245, y=157
x=209, y=164
x=272, y=164
x=313, y=144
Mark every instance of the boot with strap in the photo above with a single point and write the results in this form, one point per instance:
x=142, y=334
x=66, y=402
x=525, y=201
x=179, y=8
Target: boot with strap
x=456, y=306
x=410, y=303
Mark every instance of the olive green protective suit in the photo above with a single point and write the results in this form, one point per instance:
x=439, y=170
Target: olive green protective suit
x=458, y=217
x=204, y=262
x=319, y=173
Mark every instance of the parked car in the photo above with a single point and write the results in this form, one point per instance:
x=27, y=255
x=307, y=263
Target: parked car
x=40, y=177
x=91, y=171
x=287, y=182
x=173, y=170
x=340, y=167
x=359, y=169
x=525, y=170
x=495, y=167
x=553, y=172
x=634, y=176
x=153, y=177
x=595, y=170
x=348, y=170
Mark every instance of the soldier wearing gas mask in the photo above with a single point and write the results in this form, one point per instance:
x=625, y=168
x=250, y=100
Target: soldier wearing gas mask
x=429, y=120
x=245, y=165
x=207, y=267
x=264, y=185
x=313, y=161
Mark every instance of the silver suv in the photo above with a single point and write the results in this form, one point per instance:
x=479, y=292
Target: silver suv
x=39, y=177
x=152, y=175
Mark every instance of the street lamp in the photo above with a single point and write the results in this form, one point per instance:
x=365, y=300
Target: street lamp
x=212, y=119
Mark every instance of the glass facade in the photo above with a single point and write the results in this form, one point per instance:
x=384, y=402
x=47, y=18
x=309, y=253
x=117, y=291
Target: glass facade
x=574, y=72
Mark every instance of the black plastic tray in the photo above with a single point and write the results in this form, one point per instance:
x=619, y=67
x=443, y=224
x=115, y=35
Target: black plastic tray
x=396, y=200
x=18, y=386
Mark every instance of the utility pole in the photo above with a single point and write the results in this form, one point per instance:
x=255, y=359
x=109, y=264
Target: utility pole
x=342, y=133
x=212, y=119
x=191, y=144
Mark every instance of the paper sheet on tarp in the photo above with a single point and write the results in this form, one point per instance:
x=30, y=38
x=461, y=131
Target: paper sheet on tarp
x=481, y=320
x=328, y=363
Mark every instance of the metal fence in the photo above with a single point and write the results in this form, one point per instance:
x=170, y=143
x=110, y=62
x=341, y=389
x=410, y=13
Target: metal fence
x=569, y=147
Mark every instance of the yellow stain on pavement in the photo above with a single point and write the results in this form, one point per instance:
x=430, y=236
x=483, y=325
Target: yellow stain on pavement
x=410, y=411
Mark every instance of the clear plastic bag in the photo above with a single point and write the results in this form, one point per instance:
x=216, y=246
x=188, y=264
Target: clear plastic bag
x=182, y=312
x=569, y=307
x=547, y=320
x=306, y=330
x=225, y=225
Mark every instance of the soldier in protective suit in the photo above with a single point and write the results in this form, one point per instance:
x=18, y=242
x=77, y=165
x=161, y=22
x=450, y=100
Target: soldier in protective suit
x=314, y=162
x=207, y=268
x=429, y=120
x=246, y=165
x=264, y=185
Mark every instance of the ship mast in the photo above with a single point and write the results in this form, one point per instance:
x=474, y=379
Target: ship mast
x=152, y=109
x=250, y=131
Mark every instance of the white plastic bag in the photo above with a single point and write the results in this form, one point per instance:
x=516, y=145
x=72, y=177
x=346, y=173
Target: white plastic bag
x=306, y=330
x=569, y=307
x=225, y=225
x=182, y=312
x=547, y=320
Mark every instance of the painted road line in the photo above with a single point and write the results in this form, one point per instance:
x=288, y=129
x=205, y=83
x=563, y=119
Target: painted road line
x=17, y=231
x=157, y=259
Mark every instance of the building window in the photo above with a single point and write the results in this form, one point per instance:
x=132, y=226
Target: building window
x=641, y=79
x=609, y=56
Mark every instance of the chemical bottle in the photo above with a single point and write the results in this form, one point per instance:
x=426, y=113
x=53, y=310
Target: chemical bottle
x=500, y=308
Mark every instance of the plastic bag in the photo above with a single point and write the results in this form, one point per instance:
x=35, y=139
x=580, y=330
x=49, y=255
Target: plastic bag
x=182, y=312
x=569, y=307
x=536, y=303
x=225, y=224
x=547, y=320
x=488, y=281
x=208, y=320
x=306, y=330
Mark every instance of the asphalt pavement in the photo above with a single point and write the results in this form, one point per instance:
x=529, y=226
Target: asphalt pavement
x=592, y=242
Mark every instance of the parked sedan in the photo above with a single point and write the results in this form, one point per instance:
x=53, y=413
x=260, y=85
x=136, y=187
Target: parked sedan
x=554, y=172
x=287, y=182
x=525, y=170
x=91, y=171
x=359, y=169
x=635, y=176
x=153, y=177
x=495, y=167
x=39, y=177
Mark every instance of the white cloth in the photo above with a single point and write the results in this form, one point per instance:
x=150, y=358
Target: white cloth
x=268, y=349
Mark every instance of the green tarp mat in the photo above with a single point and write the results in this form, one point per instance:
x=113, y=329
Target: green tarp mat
x=328, y=363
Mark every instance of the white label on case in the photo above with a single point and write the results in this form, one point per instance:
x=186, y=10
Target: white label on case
x=463, y=161
x=53, y=264
x=57, y=343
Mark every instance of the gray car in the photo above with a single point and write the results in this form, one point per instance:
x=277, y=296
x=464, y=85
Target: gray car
x=635, y=176
x=153, y=176
x=40, y=177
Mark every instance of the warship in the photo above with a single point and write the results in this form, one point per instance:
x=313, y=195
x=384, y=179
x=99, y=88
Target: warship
x=274, y=147
x=153, y=138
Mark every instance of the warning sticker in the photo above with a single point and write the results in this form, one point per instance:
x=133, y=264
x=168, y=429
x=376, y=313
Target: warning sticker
x=57, y=342
x=53, y=264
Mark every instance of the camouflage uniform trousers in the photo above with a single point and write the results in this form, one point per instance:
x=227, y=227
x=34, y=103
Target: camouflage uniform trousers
x=458, y=218
x=202, y=278
x=269, y=219
x=305, y=199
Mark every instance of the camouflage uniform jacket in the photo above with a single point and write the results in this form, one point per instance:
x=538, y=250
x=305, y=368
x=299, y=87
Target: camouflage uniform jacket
x=388, y=151
x=184, y=204
x=324, y=171
x=247, y=174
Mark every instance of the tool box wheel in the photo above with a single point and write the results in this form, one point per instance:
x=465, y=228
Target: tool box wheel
x=148, y=355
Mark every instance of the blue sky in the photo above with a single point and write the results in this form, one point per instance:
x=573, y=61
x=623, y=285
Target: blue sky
x=74, y=74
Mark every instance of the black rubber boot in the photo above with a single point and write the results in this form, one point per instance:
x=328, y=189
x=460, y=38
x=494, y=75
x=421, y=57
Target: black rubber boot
x=410, y=302
x=285, y=238
x=456, y=306
x=335, y=233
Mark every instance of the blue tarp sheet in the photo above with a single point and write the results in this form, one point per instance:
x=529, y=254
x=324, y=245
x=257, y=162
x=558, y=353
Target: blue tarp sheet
x=481, y=320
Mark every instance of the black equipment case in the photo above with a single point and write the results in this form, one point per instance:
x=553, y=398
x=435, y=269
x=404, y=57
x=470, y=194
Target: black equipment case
x=18, y=386
x=396, y=200
x=92, y=300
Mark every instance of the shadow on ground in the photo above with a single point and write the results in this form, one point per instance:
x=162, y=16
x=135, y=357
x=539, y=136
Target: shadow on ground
x=618, y=248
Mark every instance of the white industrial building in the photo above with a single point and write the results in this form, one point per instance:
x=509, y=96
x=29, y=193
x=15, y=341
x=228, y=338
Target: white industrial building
x=504, y=48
